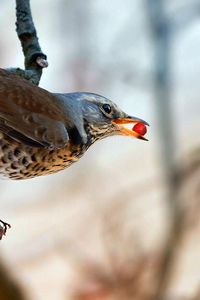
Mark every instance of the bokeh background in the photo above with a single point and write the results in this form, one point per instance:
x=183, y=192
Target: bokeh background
x=123, y=222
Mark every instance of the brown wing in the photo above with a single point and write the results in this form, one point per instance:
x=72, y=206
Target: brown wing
x=30, y=113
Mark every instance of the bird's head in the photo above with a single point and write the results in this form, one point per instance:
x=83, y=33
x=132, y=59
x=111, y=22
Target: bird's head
x=104, y=118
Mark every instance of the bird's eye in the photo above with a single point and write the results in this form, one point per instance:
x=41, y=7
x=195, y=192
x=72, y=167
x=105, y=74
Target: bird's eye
x=107, y=108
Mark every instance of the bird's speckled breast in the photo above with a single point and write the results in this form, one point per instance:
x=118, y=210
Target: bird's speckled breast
x=18, y=161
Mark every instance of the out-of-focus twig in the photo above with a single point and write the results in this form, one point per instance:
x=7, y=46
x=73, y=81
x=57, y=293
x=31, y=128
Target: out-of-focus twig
x=3, y=228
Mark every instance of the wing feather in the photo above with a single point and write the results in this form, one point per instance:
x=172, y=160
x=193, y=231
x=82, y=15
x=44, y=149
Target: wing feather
x=31, y=111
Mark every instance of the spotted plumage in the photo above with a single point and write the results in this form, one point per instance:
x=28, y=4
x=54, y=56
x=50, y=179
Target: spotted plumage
x=19, y=161
x=42, y=133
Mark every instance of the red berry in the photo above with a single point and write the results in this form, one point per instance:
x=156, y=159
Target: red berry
x=140, y=128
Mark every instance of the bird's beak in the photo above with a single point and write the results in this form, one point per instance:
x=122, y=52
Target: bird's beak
x=123, y=128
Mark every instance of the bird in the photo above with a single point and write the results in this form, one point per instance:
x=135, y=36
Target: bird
x=42, y=132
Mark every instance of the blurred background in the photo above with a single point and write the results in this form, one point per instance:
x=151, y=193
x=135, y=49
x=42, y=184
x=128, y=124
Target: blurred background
x=123, y=222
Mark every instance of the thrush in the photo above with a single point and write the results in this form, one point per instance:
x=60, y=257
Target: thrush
x=43, y=132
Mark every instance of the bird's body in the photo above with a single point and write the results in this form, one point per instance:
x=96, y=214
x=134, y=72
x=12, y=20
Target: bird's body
x=42, y=133
x=19, y=161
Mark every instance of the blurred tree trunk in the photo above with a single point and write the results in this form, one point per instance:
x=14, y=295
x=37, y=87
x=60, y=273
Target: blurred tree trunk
x=161, y=32
x=9, y=289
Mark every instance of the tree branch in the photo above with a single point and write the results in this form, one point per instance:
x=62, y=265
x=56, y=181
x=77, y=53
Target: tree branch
x=35, y=59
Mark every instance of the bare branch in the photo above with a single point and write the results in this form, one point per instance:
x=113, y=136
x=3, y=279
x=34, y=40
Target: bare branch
x=35, y=59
